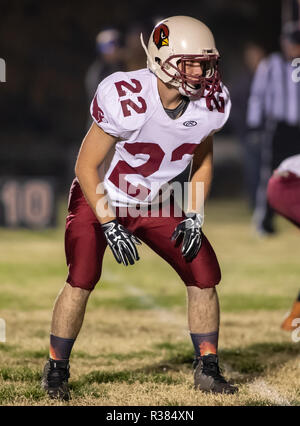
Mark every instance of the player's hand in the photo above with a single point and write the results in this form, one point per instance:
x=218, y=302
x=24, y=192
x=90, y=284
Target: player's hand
x=189, y=233
x=122, y=242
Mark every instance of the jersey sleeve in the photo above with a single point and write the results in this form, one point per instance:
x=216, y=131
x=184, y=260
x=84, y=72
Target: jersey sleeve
x=223, y=111
x=103, y=109
x=121, y=104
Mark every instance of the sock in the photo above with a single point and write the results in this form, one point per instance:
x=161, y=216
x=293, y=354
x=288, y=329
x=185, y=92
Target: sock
x=298, y=299
x=205, y=344
x=60, y=349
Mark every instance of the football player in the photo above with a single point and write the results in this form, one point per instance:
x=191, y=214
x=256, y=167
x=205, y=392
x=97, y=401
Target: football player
x=150, y=124
x=284, y=196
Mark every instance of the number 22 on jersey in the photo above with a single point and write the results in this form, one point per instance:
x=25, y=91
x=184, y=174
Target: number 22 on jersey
x=135, y=87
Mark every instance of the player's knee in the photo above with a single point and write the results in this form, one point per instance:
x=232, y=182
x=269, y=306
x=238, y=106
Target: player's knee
x=84, y=271
x=75, y=293
x=216, y=278
x=206, y=284
x=84, y=256
x=86, y=282
x=206, y=277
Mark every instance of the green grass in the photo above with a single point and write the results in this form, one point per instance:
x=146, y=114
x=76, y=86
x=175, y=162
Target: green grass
x=20, y=374
x=129, y=377
x=263, y=273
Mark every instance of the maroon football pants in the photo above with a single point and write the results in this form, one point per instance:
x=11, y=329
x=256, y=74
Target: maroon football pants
x=284, y=196
x=85, y=245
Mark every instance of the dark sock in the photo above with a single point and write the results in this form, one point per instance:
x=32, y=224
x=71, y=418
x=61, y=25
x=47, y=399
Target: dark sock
x=60, y=349
x=298, y=299
x=205, y=344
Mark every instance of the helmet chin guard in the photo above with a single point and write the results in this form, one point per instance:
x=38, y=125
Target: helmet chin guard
x=176, y=41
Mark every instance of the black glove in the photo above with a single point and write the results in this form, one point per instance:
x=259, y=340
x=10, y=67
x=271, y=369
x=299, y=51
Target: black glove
x=122, y=242
x=189, y=233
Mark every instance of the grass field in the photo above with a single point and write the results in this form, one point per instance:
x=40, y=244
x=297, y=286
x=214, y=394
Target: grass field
x=134, y=347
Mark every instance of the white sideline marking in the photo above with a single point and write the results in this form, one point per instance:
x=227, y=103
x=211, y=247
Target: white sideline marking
x=265, y=391
x=163, y=314
x=143, y=297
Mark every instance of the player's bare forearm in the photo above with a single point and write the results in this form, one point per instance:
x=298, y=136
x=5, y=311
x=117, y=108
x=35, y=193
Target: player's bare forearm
x=89, y=181
x=202, y=171
x=94, y=149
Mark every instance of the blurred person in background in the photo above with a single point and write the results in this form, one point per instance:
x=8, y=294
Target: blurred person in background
x=240, y=91
x=274, y=114
x=109, y=60
x=284, y=197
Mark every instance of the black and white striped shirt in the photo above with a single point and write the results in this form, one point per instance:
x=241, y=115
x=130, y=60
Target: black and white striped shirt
x=274, y=95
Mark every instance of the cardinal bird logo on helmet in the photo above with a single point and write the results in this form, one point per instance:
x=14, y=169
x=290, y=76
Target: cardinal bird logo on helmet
x=161, y=36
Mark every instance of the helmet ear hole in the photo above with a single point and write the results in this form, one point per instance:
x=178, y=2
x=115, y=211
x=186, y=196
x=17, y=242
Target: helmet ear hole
x=157, y=60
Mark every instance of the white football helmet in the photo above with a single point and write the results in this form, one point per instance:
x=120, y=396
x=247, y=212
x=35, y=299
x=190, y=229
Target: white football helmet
x=177, y=40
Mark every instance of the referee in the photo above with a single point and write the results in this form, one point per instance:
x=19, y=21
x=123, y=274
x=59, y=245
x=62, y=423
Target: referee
x=274, y=114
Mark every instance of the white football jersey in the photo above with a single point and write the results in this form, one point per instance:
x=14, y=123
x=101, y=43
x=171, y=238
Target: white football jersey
x=152, y=149
x=291, y=164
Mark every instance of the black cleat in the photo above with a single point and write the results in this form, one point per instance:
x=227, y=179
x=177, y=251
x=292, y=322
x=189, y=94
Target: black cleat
x=55, y=379
x=208, y=378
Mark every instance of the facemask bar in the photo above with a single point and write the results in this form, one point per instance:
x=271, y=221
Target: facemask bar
x=199, y=84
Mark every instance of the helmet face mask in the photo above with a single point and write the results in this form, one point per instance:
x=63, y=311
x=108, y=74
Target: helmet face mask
x=174, y=45
x=193, y=85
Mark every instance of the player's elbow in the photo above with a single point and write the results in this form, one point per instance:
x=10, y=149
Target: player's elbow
x=85, y=168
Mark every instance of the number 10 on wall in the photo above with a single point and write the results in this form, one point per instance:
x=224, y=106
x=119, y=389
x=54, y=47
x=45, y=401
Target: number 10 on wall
x=27, y=203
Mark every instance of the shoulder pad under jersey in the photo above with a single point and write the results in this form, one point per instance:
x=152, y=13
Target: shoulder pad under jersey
x=124, y=101
x=215, y=110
